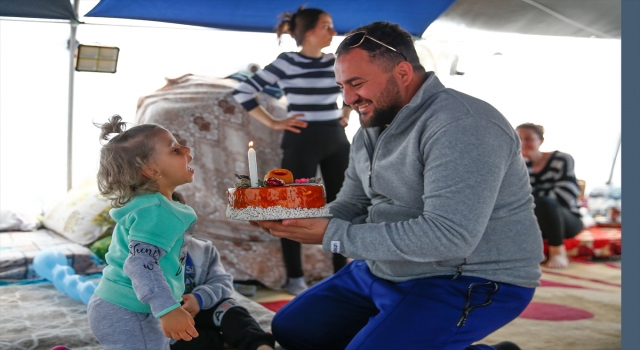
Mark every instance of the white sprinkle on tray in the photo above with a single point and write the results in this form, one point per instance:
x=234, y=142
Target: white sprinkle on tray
x=275, y=213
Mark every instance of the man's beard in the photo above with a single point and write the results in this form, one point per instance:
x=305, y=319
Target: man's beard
x=390, y=101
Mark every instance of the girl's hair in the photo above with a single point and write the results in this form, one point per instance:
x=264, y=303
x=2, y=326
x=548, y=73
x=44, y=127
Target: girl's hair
x=122, y=159
x=538, y=129
x=299, y=23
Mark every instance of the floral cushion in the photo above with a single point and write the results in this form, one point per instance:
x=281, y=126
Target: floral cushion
x=12, y=220
x=101, y=247
x=82, y=216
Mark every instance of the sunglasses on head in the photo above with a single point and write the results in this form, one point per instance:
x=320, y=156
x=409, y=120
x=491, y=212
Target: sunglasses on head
x=356, y=39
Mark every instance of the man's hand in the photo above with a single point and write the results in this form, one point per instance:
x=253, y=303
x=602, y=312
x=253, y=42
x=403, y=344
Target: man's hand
x=305, y=231
x=190, y=304
x=179, y=325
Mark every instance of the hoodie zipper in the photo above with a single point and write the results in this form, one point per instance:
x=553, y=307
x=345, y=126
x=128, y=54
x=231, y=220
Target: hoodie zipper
x=459, y=270
x=370, y=151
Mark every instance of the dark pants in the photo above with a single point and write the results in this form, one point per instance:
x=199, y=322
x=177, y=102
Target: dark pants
x=353, y=309
x=324, y=144
x=237, y=328
x=556, y=222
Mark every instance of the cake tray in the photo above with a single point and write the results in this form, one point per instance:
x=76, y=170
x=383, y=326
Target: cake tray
x=275, y=213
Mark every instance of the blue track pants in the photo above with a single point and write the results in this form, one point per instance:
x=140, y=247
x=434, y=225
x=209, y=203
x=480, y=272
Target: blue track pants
x=354, y=309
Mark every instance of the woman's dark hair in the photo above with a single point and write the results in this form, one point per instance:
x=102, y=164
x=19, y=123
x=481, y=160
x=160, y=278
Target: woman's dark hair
x=122, y=159
x=538, y=129
x=392, y=35
x=299, y=23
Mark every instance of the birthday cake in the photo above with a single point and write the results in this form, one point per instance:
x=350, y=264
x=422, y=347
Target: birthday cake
x=278, y=197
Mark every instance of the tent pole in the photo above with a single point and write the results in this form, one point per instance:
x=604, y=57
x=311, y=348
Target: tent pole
x=72, y=54
x=614, y=161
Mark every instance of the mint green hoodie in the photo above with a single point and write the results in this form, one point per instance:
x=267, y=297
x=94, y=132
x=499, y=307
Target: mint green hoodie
x=157, y=221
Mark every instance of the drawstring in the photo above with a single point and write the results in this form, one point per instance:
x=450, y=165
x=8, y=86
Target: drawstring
x=467, y=309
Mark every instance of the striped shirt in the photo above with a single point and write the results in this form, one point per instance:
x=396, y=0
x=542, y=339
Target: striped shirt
x=308, y=83
x=557, y=180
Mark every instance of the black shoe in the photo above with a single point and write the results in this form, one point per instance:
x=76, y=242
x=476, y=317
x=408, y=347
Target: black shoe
x=506, y=345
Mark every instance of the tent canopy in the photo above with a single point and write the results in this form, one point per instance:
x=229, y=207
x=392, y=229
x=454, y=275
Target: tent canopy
x=45, y=9
x=576, y=18
x=262, y=16
x=573, y=18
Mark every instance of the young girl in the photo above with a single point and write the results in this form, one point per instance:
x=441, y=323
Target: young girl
x=137, y=303
x=314, y=131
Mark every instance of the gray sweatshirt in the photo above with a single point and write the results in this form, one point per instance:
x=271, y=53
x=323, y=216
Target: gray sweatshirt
x=212, y=282
x=443, y=190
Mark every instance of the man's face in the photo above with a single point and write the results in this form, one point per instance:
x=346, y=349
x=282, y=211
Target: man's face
x=375, y=95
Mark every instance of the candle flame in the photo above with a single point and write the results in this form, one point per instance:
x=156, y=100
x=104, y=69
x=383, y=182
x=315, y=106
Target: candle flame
x=250, y=144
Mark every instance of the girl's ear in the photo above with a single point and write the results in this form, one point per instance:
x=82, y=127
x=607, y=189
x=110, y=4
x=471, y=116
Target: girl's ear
x=149, y=172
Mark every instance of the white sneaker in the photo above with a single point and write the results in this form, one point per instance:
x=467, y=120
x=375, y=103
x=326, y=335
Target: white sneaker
x=248, y=290
x=296, y=286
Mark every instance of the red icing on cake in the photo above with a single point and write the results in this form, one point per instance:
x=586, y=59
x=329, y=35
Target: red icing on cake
x=288, y=196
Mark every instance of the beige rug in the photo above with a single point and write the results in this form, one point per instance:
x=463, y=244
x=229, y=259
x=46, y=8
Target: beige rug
x=577, y=308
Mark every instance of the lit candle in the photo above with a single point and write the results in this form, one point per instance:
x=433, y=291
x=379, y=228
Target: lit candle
x=253, y=166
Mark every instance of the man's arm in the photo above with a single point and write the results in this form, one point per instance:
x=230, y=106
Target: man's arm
x=464, y=165
x=461, y=183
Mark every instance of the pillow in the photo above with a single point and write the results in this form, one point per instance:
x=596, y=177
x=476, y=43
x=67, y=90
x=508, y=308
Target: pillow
x=82, y=216
x=101, y=247
x=12, y=220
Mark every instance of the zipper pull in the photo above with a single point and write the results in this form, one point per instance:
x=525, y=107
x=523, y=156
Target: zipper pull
x=369, y=176
x=458, y=273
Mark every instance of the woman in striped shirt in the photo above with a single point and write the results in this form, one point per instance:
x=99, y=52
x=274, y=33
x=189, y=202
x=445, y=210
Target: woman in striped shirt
x=555, y=191
x=314, y=129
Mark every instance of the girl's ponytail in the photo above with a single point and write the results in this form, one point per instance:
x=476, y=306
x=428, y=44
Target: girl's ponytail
x=114, y=125
x=299, y=23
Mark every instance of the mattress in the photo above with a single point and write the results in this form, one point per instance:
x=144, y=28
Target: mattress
x=18, y=248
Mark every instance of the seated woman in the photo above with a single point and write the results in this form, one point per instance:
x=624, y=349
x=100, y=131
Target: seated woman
x=555, y=192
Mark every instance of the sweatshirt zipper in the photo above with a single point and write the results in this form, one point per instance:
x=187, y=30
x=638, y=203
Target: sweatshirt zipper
x=459, y=270
x=370, y=152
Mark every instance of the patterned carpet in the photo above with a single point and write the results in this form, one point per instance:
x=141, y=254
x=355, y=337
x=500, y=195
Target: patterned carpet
x=271, y=299
x=577, y=308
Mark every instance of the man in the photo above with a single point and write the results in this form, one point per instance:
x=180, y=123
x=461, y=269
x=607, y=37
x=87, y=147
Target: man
x=435, y=208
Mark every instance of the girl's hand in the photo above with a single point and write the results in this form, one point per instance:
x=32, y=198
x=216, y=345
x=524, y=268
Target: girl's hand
x=344, y=119
x=178, y=325
x=190, y=304
x=292, y=123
